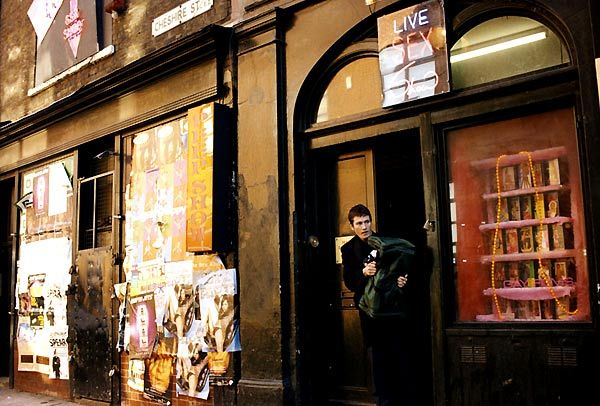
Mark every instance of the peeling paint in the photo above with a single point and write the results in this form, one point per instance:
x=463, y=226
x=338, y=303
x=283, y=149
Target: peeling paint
x=14, y=54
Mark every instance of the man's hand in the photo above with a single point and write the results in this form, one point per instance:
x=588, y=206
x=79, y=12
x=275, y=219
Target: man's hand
x=402, y=280
x=370, y=269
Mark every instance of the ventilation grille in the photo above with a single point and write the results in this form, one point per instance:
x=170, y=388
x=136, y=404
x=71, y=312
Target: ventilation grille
x=473, y=354
x=562, y=356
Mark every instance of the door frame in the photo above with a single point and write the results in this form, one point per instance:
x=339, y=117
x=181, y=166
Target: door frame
x=12, y=272
x=326, y=137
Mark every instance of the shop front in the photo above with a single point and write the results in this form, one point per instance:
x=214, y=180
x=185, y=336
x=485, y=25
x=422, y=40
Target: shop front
x=116, y=212
x=487, y=167
x=174, y=223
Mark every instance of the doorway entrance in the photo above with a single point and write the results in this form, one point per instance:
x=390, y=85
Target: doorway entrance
x=6, y=250
x=91, y=307
x=385, y=174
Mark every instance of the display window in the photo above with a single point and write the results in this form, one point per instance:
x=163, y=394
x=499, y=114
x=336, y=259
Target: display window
x=505, y=47
x=517, y=221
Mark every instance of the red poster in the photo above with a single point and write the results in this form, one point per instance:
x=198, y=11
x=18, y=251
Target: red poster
x=40, y=193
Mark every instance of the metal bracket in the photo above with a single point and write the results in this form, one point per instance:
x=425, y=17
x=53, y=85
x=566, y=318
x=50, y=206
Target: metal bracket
x=429, y=226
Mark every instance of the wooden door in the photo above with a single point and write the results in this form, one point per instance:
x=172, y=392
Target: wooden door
x=90, y=312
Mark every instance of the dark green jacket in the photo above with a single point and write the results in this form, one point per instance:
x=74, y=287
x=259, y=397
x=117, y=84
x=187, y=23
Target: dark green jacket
x=382, y=297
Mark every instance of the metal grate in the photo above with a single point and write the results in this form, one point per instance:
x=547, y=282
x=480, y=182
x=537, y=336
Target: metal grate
x=562, y=356
x=473, y=354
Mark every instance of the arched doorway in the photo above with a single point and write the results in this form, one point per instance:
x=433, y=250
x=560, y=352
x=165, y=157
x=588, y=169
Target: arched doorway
x=379, y=165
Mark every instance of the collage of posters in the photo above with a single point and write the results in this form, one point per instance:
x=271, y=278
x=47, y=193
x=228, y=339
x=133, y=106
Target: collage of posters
x=180, y=306
x=42, y=281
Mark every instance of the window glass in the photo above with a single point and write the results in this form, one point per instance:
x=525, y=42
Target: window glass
x=504, y=47
x=354, y=89
x=517, y=221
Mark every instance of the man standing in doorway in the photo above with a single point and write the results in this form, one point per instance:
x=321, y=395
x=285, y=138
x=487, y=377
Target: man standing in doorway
x=387, y=340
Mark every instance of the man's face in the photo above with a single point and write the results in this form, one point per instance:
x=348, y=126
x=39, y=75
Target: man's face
x=362, y=227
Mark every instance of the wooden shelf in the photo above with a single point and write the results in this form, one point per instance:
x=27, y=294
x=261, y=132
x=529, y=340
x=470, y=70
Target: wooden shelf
x=494, y=317
x=555, y=254
x=537, y=293
x=525, y=223
x=528, y=191
x=508, y=160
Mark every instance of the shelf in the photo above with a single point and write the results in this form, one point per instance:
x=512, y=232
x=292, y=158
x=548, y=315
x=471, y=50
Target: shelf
x=486, y=259
x=537, y=293
x=525, y=223
x=528, y=191
x=494, y=317
x=508, y=160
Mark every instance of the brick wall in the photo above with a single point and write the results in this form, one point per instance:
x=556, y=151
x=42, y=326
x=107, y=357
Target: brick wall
x=131, y=397
x=132, y=38
x=35, y=382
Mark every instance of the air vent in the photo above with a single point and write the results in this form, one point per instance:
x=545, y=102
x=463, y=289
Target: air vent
x=562, y=356
x=473, y=354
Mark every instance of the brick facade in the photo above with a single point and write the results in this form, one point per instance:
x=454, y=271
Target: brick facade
x=40, y=383
x=132, y=39
x=131, y=397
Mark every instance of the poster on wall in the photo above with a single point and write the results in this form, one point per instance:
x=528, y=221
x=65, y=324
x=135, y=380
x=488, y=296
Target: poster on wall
x=199, y=209
x=142, y=325
x=122, y=293
x=40, y=193
x=135, y=379
x=60, y=188
x=59, y=352
x=55, y=301
x=219, y=318
x=34, y=348
x=192, y=374
x=413, y=56
x=218, y=311
x=157, y=373
x=26, y=345
x=36, y=297
x=179, y=299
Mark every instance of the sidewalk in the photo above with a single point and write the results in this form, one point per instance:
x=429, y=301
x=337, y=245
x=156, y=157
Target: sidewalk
x=13, y=397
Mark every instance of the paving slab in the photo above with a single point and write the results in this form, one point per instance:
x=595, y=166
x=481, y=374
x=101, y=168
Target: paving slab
x=12, y=397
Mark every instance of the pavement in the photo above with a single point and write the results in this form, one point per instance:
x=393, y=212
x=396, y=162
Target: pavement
x=13, y=397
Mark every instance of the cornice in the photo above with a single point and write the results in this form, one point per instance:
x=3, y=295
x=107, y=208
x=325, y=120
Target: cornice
x=259, y=24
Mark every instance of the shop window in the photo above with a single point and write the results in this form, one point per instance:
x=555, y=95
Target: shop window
x=354, y=88
x=517, y=218
x=504, y=47
x=67, y=32
x=96, y=168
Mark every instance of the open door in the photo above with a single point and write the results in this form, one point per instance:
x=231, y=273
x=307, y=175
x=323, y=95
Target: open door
x=384, y=174
x=93, y=362
x=92, y=348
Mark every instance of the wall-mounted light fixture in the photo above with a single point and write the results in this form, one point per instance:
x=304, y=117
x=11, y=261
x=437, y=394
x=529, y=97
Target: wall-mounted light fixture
x=500, y=46
x=105, y=153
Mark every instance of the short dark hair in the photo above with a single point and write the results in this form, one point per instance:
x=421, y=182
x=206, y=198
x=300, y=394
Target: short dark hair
x=359, y=210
